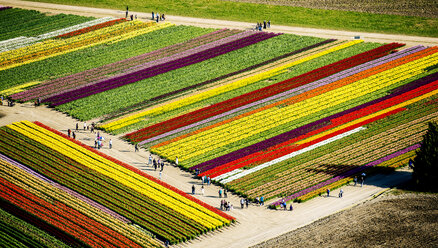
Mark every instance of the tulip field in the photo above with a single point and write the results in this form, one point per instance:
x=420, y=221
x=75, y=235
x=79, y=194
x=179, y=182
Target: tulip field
x=84, y=193
x=261, y=113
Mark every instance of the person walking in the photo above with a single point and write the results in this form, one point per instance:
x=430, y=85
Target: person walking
x=202, y=189
x=77, y=126
x=136, y=148
x=160, y=175
x=247, y=202
x=155, y=164
x=150, y=159
x=220, y=193
x=110, y=143
x=225, y=193
x=362, y=179
x=328, y=192
x=242, y=203
x=127, y=11
x=269, y=23
x=162, y=165
x=262, y=201
x=290, y=207
x=153, y=17
x=341, y=192
x=264, y=24
x=355, y=180
x=208, y=180
x=222, y=204
x=69, y=132
x=85, y=126
x=176, y=161
x=193, y=189
x=74, y=135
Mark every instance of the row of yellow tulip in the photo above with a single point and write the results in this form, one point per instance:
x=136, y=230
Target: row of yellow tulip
x=257, y=122
x=220, y=90
x=127, y=177
x=18, y=88
x=48, y=192
x=55, y=47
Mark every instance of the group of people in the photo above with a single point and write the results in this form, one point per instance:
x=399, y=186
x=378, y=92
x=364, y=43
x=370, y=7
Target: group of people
x=227, y=206
x=283, y=205
x=263, y=25
x=206, y=180
x=224, y=192
x=158, y=17
x=260, y=201
x=10, y=102
x=194, y=189
x=155, y=163
x=98, y=142
x=131, y=16
x=71, y=134
x=37, y=102
x=362, y=179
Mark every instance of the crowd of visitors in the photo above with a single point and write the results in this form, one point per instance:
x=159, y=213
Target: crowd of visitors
x=263, y=25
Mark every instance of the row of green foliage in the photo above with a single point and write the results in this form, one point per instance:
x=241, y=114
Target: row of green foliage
x=19, y=233
x=96, y=56
x=20, y=22
x=128, y=95
x=278, y=15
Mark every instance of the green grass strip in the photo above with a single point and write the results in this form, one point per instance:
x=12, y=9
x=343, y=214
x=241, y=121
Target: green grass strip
x=278, y=15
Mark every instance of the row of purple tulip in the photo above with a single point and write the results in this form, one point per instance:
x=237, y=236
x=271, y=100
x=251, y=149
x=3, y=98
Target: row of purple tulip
x=75, y=80
x=207, y=82
x=157, y=69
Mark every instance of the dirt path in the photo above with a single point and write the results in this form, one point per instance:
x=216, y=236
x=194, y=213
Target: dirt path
x=254, y=224
x=179, y=20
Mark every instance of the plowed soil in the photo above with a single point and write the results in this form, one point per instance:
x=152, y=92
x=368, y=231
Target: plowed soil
x=391, y=220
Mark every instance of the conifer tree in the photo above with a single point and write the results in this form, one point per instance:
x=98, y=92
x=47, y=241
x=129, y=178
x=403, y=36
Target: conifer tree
x=425, y=174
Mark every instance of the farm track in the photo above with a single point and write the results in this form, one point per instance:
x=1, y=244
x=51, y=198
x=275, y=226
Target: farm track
x=211, y=23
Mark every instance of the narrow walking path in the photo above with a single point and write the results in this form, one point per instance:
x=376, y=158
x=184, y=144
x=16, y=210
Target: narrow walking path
x=213, y=23
x=254, y=224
